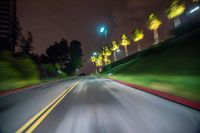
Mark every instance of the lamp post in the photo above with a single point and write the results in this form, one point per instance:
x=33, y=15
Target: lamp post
x=104, y=31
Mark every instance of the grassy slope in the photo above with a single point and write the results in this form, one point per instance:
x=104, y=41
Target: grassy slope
x=173, y=67
x=18, y=72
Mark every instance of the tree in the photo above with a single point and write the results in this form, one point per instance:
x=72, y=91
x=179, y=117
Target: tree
x=175, y=10
x=69, y=58
x=58, y=53
x=125, y=42
x=44, y=59
x=106, y=54
x=76, y=54
x=153, y=24
x=114, y=48
x=99, y=62
x=93, y=60
x=137, y=35
x=26, y=44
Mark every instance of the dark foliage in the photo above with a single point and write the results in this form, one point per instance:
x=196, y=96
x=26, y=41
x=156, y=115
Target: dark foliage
x=58, y=53
x=68, y=57
x=75, y=54
x=26, y=44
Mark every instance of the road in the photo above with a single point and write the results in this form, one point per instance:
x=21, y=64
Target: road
x=94, y=105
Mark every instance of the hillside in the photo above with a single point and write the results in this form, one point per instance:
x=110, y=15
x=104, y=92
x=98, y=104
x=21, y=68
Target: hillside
x=172, y=66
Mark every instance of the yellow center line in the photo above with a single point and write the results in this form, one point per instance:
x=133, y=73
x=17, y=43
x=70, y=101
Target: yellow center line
x=44, y=112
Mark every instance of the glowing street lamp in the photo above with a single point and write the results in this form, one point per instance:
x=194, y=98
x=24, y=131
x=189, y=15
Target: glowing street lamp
x=104, y=31
x=194, y=9
x=95, y=54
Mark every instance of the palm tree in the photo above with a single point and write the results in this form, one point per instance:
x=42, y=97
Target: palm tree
x=175, y=10
x=106, y=54
x=93, y=60
x=137, y=35
x=114, y=48
x=107, y=60
x=99, y=62
x=153, y=24
x=125, y=42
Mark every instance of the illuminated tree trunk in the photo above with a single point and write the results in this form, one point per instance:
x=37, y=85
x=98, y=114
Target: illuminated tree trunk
x=100, y=69
x=114, y=55
x=156, y=37
x=77, y=71
x=126, y=50
x=177, y=22
x=139, y=48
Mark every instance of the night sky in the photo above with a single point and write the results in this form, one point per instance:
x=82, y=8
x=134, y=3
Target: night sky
x=52, y=20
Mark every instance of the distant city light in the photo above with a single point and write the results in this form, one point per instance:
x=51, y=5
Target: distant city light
x=102, y=29
x=195, y=9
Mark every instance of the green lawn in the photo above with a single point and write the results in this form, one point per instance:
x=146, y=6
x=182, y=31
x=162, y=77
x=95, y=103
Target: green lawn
x=173, y=67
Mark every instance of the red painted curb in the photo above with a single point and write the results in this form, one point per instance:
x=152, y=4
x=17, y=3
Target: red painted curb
x=180, y=100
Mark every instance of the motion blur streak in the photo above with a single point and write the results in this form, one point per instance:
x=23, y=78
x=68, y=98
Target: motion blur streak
x=96, y=105
x=44, y=112
x=100, y=105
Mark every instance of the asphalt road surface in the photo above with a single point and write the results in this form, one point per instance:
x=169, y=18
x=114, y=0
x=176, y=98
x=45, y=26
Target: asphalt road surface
x=94, y=105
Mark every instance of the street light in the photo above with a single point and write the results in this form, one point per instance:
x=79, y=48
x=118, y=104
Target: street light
x=194, y=10
x=118, y=50
x=95, y=54
x=104, y=31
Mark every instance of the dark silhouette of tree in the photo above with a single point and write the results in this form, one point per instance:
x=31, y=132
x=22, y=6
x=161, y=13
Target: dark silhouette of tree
x=69, y=57
x=35, y=58
x=75, y=53
x=58, y=53
x=44, y=59
x=26, y=44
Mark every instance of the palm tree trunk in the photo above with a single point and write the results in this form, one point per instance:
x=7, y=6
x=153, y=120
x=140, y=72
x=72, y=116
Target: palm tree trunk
x=77, y=71
x=177, y=22
x=100, y=69
x=139, y=48
x=156, y=37
x=114, y=55
x=126, y=50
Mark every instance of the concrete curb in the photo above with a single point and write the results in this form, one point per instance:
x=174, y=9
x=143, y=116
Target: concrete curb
x=180, y=100
x=16, y=90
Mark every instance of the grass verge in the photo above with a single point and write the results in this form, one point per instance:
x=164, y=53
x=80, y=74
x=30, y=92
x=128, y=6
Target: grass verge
x=172, y=66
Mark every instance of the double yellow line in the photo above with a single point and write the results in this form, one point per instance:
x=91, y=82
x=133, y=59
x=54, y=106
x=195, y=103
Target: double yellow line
x=32, y=124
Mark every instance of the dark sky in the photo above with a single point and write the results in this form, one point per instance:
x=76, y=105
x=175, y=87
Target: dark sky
x=52, y=20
